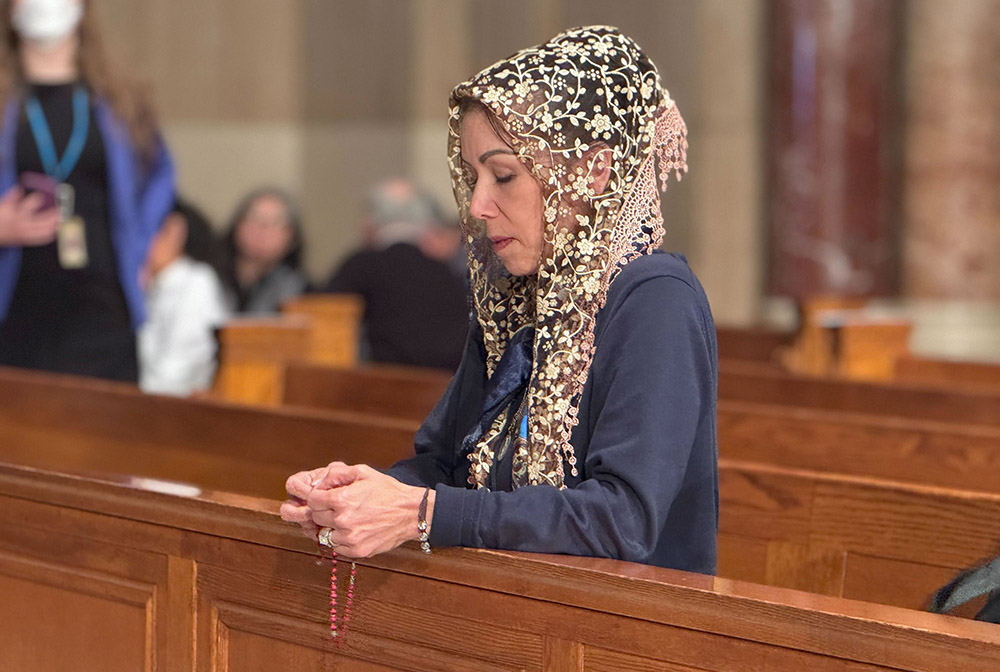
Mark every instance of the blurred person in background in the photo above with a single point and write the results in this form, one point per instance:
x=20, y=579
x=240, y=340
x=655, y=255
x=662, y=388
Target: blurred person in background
x=416, y=306
x=85, y=181
x=186, y=304
x=444, y=241
x=264, y=246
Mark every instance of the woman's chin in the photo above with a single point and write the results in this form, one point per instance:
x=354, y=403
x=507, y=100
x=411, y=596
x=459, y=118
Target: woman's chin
x=520, y=267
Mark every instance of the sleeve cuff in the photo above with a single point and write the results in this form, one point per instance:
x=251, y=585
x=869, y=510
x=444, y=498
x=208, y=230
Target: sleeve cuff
x=456, y=511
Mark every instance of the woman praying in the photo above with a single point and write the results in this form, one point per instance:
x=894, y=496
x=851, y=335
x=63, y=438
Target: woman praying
x=582, y=418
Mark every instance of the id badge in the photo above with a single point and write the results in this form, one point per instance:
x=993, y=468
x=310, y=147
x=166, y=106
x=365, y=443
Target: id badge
x=72, y=243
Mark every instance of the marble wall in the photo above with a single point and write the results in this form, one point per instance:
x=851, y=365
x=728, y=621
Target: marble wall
x=952, y=160
x=832, y=166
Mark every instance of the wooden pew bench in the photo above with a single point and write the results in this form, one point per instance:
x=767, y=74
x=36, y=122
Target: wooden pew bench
x=905, y=448
x=949, y=455
x=768, y=512
x=863, y=538
x=763, y=347
x=747, y=381
x=118, y=579
x=62, y=422
x=395, y=391
x=947, y=373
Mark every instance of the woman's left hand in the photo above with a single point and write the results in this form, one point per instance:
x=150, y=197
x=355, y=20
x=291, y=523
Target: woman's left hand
x=367, y=511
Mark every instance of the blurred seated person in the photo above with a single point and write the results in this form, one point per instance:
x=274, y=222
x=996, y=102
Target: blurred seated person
x=444, y=241
x=186, y=303
x=416, y=307
x=264, y=244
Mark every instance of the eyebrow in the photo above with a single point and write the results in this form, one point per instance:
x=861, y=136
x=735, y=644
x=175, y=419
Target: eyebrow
x=486, y=155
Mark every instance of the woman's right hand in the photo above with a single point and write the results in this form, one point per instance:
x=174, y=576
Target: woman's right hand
x=21, y=223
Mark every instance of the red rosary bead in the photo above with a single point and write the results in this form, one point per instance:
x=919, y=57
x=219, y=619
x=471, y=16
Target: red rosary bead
x=338, y=627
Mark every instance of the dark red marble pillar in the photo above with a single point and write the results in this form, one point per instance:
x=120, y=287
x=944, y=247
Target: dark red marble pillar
x=951, y=195
x=832, y=174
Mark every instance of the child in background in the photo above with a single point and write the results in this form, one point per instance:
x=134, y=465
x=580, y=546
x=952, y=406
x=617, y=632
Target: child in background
x=186, y=303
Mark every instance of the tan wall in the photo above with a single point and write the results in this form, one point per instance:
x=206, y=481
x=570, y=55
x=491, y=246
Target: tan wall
x=324, y=97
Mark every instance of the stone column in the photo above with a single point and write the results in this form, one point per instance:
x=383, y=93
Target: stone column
x=951, y=194
x=830, y=158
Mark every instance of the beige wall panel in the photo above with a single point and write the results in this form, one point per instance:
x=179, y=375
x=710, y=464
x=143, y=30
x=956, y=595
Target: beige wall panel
x=665, y=29
x=498, y=29
x=728, y=235
x=729, y=61
x=954, y=329
x=358, y=60
x=232, y=59
x=441, y=55
x=218, y=162
x=429, y=161
x=342, y=161
x=262, y=59
x=125, y=27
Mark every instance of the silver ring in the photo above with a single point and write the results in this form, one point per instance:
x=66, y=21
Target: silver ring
x=324, y=537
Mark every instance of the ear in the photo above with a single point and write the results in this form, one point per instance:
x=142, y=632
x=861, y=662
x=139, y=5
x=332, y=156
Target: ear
x=600, y=169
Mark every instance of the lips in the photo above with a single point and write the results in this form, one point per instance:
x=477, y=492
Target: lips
x=500, y=242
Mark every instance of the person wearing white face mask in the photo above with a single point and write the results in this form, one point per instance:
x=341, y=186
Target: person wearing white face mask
x=85, y=182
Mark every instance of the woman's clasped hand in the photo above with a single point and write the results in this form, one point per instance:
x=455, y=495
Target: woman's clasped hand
x=368, y=511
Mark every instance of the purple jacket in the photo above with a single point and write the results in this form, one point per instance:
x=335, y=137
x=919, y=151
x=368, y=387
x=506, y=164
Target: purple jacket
x=138, y=201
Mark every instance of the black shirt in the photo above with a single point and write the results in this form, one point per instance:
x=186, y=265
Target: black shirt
x=70, y=320
x=416, y=308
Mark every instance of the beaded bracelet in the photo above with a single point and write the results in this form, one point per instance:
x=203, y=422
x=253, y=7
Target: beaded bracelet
x=425, y=545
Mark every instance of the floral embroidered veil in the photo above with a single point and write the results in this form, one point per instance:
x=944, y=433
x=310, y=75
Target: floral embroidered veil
x=557, y=104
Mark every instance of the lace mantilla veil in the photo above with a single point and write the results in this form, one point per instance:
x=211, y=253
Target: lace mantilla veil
x=557, y=104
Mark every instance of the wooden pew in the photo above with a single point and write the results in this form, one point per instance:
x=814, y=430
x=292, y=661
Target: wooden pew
x=764, y=347
x=748, y=381
x=411, y=393
x=396, y=391
x=62, y=422
x=862, y=538
x=852, y=440
x=116, y=578
x=336, y=326
x=784, y=526
x=253, y=354
x=915, y=452
x=753, y=344
x=946, y=455
x=956, y=375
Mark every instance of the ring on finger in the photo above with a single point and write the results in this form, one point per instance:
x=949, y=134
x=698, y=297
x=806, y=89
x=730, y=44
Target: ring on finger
x=325, y=537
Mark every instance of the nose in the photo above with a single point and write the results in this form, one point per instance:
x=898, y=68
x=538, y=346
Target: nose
x=482, y=206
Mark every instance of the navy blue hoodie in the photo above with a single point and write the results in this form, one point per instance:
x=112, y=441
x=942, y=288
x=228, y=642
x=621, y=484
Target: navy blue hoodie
x=648, y=487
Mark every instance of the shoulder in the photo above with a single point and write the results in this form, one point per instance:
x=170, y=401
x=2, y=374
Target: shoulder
x=660, y=279
x=201, y=274
x=357, y=264
x=189, y=277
